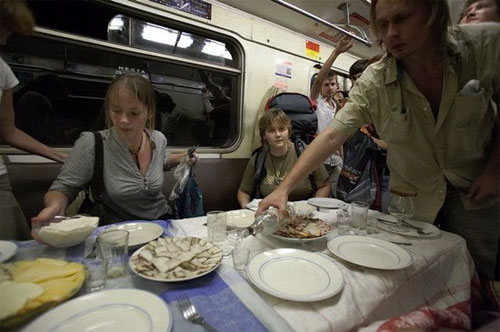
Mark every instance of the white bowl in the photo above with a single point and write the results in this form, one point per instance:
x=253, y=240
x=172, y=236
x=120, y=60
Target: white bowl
x=67, y=232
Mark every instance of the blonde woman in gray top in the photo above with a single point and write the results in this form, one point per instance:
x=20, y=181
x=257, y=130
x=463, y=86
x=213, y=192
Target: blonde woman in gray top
x=134, y=159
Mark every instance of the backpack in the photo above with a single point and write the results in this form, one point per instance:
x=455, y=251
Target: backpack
x=358, y=178
x=302, y=113
x=260, y=169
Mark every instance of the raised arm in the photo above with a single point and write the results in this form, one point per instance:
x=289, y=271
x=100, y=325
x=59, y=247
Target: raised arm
x=313, y=156
x=17, y=138
x=344, y=45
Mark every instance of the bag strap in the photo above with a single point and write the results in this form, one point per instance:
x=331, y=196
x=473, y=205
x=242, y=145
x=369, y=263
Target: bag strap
x=300, y=146
x=97, y=181
x=260, y=169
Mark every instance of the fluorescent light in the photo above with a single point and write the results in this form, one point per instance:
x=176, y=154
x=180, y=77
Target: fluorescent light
x=161, y=35
x=116, y=23
x=216, y=49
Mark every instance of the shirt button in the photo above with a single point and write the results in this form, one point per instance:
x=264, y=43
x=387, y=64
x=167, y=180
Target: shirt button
x=441, y=192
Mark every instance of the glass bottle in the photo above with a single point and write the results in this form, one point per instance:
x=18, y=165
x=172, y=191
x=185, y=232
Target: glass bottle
x=269, y=222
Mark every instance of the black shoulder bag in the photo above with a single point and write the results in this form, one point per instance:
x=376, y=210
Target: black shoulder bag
x=93, y=205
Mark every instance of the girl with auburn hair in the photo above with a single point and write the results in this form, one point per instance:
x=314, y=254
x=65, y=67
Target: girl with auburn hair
x=280, y=155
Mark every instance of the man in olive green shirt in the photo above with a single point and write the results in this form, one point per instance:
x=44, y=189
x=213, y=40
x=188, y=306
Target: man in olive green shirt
x=431, y=99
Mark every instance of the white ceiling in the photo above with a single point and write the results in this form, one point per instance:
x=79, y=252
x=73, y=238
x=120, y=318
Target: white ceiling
x=325, y=9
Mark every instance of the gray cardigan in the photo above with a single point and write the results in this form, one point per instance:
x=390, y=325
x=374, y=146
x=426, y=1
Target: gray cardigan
x=128, y=194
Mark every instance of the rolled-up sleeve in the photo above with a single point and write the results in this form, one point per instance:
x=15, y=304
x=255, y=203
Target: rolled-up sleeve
x=355, y=112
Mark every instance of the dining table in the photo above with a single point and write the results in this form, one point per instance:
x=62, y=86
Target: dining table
x=435, y=286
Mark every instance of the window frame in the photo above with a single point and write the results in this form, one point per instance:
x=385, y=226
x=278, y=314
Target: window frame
x=99, y=44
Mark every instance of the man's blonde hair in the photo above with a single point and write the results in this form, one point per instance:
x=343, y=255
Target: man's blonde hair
x=438, y=21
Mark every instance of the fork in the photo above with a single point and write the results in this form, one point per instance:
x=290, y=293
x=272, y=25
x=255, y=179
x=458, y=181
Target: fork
x=191, y=314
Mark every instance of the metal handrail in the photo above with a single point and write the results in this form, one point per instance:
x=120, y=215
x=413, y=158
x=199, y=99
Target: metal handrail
x=299, y=10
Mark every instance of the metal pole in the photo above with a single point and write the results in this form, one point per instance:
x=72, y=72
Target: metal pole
x=322, y=21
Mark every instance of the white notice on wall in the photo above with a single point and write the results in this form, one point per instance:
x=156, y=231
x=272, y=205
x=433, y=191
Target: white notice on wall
x=284, y=68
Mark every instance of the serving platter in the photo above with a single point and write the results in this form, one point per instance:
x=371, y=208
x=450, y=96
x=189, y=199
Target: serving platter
x=140, y=233
x=370, y=252
x=295, y=275
x=7, y=250
x=175, y=259
x=298, y=240
x=124, y=310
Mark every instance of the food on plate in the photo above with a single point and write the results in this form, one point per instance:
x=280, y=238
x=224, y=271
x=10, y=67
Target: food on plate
x=15, y=295
x=68, y=232
x=37, y=285
x=175, y=258
x=302, y=227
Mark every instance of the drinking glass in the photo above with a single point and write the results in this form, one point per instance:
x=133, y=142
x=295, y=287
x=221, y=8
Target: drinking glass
x=240, y=258
x=359, y=213
x=113, y=248
x=96, y=268
x=343, y=223
x=401, y=207
x=216, y=226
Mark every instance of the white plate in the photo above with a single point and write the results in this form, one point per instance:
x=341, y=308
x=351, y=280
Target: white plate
x=370, y=252
x=7, y=250
x=295, y=275
x=240, y=218
x=324, y=202
x=121, y=310
x=427, y=227
x=140, y=233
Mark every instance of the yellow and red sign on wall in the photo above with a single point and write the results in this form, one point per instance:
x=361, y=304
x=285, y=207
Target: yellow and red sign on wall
x=312, y=50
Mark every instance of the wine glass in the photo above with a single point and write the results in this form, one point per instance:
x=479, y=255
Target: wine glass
x=401, y=207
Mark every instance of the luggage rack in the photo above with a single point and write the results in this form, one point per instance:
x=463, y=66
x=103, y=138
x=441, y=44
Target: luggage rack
x=345, y=7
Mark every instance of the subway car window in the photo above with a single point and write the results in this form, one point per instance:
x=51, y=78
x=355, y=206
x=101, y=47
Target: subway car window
x=63, y=81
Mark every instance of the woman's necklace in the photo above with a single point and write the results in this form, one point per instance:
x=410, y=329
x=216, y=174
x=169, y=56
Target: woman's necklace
x=278, y=177
x=135, y=154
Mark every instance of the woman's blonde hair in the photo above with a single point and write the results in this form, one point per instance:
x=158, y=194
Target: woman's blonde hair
x=274, y=115
x=438, y=21
x=140, y=87
x=16, y=16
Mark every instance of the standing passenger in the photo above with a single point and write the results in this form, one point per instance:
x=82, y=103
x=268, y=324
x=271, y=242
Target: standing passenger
x=15, y=17
x=420, y=97
x=134, y=159
x=477, y=11
x=323, y=90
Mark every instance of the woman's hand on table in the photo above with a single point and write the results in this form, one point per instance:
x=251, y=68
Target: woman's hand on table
x=43, y=218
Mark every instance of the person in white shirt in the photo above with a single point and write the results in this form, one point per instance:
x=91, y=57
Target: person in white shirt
x=324, y=88
x=15, y=17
